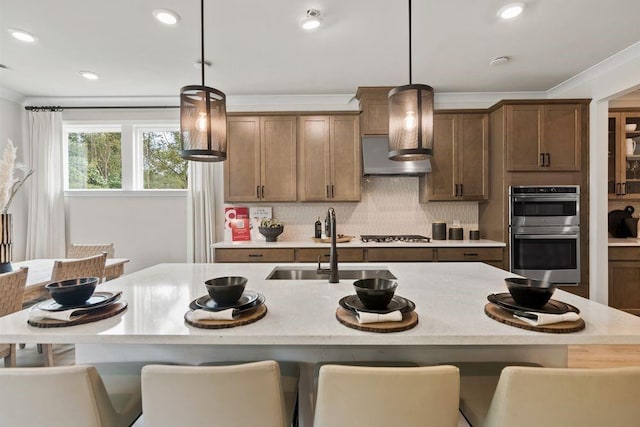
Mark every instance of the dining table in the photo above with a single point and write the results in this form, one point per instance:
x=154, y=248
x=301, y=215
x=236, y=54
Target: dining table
x=40, y=274
x=301, y=322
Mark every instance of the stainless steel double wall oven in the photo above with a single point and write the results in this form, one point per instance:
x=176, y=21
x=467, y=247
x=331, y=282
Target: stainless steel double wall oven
x=544, y=232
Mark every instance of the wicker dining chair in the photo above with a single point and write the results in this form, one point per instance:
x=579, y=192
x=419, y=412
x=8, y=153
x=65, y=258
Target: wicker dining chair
x=92, y=266
x=81, y=250
x=12, y=287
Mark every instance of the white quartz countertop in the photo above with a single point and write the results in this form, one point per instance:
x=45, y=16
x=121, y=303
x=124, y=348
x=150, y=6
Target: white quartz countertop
x=628, y=241
x=449, y=299
x=356, y=243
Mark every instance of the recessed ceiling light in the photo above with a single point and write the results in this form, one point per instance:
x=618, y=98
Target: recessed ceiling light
x=312, y=20
x=499, y=60
x=166, y=16
x=22, y=35
x=511, y=10
x=89, y=75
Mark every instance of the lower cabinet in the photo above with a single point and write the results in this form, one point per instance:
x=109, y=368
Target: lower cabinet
x=492, y=256
x=624, y=279
x=254, y=255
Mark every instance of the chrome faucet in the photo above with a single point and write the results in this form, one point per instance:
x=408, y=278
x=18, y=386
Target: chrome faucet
x=333, y=253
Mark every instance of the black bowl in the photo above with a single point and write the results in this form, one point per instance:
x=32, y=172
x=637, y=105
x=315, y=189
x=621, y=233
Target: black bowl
x=271, y=233
x=72, y=291
x=529, y=292
x=226, y=290
x=375, y=293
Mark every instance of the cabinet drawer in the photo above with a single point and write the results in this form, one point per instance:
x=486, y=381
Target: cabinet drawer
x=344, y=255
x=470, y=254
x=399, y=254
x=254, y=255
x=631, y=253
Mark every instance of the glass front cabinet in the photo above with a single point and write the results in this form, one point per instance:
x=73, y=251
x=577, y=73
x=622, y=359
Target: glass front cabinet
x=624, y=154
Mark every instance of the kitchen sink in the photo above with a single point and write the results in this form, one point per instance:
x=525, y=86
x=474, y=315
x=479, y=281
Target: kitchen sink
x=287, y=273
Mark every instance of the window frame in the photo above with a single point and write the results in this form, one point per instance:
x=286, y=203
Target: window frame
x=131, y=155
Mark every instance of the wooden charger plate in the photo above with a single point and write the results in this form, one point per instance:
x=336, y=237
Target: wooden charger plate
x=339, y=239
x=503, y=316
x=243, y=319
x=348, y=318
x=100, y=314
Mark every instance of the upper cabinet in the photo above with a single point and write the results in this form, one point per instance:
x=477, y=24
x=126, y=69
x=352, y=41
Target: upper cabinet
x=261, y=159
x=624, y=154
x=459, y=166
x=374, y=103
x=544, y=137
x=330, y=159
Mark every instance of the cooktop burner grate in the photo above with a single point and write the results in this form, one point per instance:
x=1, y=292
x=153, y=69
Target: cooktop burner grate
x=411, y=238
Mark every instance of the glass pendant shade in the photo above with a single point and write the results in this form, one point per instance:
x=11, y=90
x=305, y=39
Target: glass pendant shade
x=203, y=124
x=411, y=122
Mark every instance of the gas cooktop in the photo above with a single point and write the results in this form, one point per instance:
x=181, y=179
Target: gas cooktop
x=411, y=238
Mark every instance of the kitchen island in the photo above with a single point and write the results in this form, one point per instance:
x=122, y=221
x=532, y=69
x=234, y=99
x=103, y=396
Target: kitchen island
x=301, y=326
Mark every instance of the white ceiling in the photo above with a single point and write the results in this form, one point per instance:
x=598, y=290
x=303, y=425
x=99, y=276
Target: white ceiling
x=257, y=47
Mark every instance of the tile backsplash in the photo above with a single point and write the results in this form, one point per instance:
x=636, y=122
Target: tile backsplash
x=389, y=205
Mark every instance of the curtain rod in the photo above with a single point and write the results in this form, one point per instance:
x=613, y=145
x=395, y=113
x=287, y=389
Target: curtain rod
x=127, y=107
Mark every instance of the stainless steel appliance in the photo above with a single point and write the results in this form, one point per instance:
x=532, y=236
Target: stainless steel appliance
x=366, y=238
x=544, y=233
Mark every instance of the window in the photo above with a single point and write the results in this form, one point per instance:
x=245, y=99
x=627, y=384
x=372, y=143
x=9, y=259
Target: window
x=94, y=158
x=163, y=168
x=123, y=156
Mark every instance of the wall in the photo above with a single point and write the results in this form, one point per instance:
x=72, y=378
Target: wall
x=389, y=205
x=11, y=127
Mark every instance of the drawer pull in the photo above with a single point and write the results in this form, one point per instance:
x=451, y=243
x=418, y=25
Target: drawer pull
x=255, y=255
x=470, y=254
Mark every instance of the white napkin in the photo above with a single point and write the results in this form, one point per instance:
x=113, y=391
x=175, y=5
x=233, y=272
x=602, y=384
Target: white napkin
x=364, y=317
x=548, y=319
x=37, y=314
x=212, y=315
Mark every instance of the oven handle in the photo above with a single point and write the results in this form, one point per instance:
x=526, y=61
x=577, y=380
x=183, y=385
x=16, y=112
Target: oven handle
x=546, y=236
x=568, y=198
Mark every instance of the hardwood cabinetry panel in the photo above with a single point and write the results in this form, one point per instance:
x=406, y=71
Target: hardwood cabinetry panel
x=470, y=254
x=630, y=253
x=330, y=161
x=544, y=137
x=374, y=103
x=624, y=286
x=624, y=162
x=399, y=254
x=242, y=167
x=460, y=159
x=344, y=255
x=254, y=255
x=261, y=159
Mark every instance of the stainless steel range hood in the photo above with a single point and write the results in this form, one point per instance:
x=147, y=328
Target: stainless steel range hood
x=375, y=161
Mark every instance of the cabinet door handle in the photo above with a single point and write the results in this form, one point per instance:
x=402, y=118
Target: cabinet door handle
x=541, y=159
x=548, y=159
x=624, y=188
x=257, y=191
x=332, y=193
x=455, y=193
x=328, y=195
x=262, y=193
x=255, y=255
x=461, y=190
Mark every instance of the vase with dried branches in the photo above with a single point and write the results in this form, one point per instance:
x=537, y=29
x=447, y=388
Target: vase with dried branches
x=10, y=183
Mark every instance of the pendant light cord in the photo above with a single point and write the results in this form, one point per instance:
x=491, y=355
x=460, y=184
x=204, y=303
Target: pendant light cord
x=202, y=37
x=410, y=79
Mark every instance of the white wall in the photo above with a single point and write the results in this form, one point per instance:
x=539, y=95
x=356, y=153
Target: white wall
x=11, y=127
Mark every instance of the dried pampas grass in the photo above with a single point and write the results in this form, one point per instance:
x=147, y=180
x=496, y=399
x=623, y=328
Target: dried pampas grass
x=9, y=183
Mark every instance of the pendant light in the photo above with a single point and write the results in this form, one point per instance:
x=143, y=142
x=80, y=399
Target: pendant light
x=410, y=118
x=203, y=117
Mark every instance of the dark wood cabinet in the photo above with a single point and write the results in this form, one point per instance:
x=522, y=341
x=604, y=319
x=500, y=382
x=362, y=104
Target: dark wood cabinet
x=460, y=159
x=261, y=159
x=624, y=279
x=624, y=154
x=374, y=103
x=545, y=137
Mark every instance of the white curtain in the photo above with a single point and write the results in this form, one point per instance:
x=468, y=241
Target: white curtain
x=45, y=221
x=201, y=208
